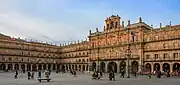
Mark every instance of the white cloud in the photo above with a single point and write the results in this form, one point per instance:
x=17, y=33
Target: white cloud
x=15, y=23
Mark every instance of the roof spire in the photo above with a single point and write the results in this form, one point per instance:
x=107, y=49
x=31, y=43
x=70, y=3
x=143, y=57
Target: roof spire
x=140, y=19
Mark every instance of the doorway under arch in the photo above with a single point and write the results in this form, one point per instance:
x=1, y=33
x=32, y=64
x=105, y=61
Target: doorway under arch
x=122, y=66
x=34, y=67
x=87, y=67
x=102, y=67
x=94, y=66
x=84, y=67
x=63, y=68
x=156, y=67
x=166, y=67
x=176, y=67
x=112, y=66
x=3, y=67
x=49, y=66
x=39, y=67
x=28, y=67
x=54, y=66
x=148, y=67
x=23, y=67
x=10, y=67
x=76, y=67
x=16, y=67
x=134, y=65
x=44, y=67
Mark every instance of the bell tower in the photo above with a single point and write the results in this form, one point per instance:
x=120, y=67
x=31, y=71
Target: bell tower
x=112, y=22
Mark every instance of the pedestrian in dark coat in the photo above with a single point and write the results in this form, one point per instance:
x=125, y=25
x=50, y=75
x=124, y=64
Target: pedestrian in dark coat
x=29, y=75
x=16, y=74
x=39, y=74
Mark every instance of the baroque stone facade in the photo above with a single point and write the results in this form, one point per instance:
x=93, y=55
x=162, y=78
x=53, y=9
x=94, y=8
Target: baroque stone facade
x=17, y=54
x=149, y=49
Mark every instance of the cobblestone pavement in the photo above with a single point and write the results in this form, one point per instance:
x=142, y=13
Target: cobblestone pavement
x=85, y=79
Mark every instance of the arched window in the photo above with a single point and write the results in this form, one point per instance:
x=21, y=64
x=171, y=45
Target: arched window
x=175, y=45
x=116, y=24
x=112, y=25
x=165, y=45
x=156, y=37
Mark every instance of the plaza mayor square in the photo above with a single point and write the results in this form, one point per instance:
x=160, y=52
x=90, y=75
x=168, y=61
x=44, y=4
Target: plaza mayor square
x=86, y=42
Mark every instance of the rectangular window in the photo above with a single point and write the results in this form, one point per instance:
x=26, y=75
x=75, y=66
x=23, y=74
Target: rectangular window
x=175, y=55
x=147, y=56
x=156, y=56
x=165, y=56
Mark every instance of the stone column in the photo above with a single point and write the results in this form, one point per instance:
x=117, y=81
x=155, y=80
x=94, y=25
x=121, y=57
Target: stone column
x=118, y=66
x=152, y=67
x=171, y=67
x=161, y=67
x=106, y=66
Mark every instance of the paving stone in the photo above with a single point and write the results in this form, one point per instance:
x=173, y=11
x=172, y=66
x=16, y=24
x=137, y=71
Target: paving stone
x=85, y=79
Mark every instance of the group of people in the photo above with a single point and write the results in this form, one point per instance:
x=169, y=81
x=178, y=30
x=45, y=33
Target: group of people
x=30, y=75
x=97, y=75
x=73, y=72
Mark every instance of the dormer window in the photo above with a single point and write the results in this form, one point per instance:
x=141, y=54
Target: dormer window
x=112, y=25
x=116, y=24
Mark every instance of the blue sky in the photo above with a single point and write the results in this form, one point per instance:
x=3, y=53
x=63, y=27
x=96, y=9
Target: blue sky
x=70, y=20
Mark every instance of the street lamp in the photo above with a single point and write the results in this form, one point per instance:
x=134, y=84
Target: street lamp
x=128, y=53
x=98, y=67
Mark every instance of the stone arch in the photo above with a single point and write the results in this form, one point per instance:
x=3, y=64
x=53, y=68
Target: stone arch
x=28, y=67
x=44, y=67
x=49, y=66
x=39, y=67
x=93, y=66
x=112, y=66
x=70, y=66
x=87, y=67
x=134, y=66
x=122, y=66
x=156, y=67
x=176, y=67
x=73, y=67
x=166, y=67
x=34, y=67
x=54, y=66
x=84, y=68
x=63, y=68
x=148, y=67
x=76, y=67
x=79, y=67
x=23, y=66
x=3, y=67
x=67, y=67
x=10, y=67
x=102, y=67
x=16, y=67
x=58, y=66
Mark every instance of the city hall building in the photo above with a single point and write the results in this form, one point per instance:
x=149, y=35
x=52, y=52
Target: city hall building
x=136, y=46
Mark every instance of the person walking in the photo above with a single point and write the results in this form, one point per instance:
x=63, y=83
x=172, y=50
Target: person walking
x=74, y=73
x=16, y=74
x=122, y=74
x=39, y=74
x=29, y=75
x=113, y=75
x=32, y=75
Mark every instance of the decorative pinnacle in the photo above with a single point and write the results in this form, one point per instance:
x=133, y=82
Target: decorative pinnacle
x=140, y=19
x=123, y=23
x=129, y=23
x=97, y=30
x=89, y=31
